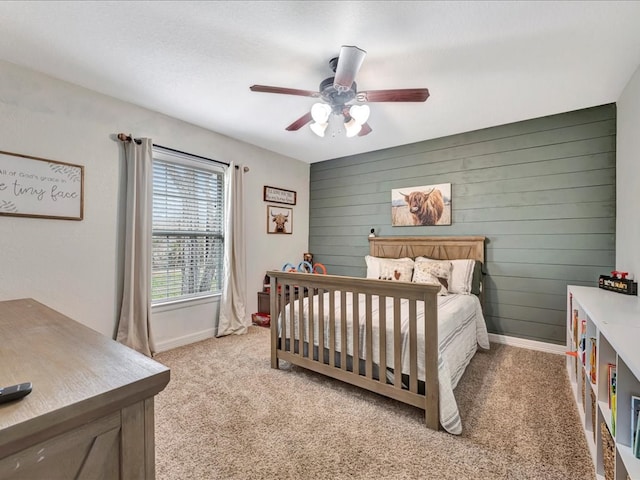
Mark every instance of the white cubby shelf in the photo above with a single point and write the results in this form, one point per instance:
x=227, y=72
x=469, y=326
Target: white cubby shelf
x=613, y=321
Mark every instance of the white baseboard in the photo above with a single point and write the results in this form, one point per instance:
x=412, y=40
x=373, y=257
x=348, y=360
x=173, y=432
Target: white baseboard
x=163, y=346
x=530, y=344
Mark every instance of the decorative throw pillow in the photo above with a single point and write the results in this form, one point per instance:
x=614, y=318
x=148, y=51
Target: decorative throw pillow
x=396, y=269
x=461, y=278
x=434, y=273
x=396, y=272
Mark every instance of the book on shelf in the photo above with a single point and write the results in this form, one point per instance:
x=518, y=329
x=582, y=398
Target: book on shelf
x=635, y=425
x=611, y=376
x=583, y=340
x=592, y=359
x=613, y=414
x=575, y=327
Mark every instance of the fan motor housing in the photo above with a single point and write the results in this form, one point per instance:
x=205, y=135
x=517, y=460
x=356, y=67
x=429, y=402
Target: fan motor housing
x=332, y=96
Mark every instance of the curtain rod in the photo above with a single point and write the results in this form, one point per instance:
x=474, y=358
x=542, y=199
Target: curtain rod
x=123, y=137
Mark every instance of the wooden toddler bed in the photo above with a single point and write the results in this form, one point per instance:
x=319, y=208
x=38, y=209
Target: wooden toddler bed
x=396, y=338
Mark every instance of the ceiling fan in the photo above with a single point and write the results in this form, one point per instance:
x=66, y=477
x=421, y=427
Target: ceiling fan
x=338, y=94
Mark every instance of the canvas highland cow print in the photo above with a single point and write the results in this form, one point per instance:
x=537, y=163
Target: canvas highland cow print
x=421, y=206
x=279, y=219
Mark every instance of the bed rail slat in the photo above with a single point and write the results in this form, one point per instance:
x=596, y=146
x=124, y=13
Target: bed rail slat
x=282, y=308
x=273, y=308
x=312, y=321
x=356, y=332
x=432, y=397
x=343, y=330
x=397, y=344
x=321, y=341
x=382, y=327
x=368, y=335
x=332, y=328
x=300, y=303
x=292, y=327
x=413, y=343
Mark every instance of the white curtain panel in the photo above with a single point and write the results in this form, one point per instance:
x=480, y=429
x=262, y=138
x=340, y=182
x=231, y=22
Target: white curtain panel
x=232, y=318
x=134, y=326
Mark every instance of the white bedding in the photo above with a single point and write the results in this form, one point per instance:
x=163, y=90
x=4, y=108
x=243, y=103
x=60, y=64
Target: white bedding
x=461, y=328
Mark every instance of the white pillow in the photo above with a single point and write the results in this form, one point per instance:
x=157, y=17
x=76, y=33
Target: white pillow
x=461, y=274
x=396, y=269
x=433, y=273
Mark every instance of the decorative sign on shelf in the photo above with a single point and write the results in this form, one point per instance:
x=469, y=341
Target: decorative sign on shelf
x=37, y=187
x=618, y=282
x=279, y=195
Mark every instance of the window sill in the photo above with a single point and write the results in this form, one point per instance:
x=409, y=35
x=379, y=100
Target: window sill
x=185, y=303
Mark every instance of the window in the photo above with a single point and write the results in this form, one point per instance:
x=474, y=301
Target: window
x=188, y=227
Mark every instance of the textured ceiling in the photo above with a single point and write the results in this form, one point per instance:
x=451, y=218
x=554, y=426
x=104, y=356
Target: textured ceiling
x=485, y=63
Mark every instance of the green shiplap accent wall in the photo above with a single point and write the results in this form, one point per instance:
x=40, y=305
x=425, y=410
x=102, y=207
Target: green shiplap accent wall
x=542, y=191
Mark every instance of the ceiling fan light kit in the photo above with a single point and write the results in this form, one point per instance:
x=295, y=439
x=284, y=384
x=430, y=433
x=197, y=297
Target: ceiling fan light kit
x=360, y=113
x=339, y=91
x=318, y=128
x=352, y=128
x=320, y=112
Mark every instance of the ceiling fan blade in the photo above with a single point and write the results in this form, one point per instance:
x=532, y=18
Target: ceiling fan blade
x=398, y=95
x=285, y=91
x=366, y=129
x=299, y=123
x=349, y=62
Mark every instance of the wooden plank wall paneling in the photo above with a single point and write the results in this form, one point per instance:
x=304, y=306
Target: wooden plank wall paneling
x=542, y=191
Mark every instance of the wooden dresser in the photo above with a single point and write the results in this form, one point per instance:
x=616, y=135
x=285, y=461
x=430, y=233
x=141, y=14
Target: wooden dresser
x=90, y=414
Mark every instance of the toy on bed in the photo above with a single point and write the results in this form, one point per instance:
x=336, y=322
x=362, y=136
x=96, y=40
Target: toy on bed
x=305, y=267
x=408, y=331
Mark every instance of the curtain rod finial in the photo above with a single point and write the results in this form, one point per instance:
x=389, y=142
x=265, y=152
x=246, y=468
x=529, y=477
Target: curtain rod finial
x=124, y=137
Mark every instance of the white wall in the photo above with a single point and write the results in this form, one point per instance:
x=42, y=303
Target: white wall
x=628, y=178
x=73, y=266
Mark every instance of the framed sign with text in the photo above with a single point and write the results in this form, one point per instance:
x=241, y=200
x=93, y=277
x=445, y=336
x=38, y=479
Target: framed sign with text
x=41, y=188
x=279, y=195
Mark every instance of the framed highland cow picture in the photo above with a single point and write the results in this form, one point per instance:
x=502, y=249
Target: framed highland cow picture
x=279, y=219
x=424, y=205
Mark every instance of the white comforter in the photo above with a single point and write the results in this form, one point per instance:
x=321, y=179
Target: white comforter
x=461, y=328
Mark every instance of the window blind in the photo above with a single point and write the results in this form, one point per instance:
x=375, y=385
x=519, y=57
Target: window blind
x=188, y=228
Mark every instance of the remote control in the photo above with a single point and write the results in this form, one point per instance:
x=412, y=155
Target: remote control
x=14, y=392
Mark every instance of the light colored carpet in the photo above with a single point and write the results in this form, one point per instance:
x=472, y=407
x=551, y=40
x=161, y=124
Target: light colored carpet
x=227, y=415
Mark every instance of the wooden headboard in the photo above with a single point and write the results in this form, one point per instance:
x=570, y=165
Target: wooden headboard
x=440, y=248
